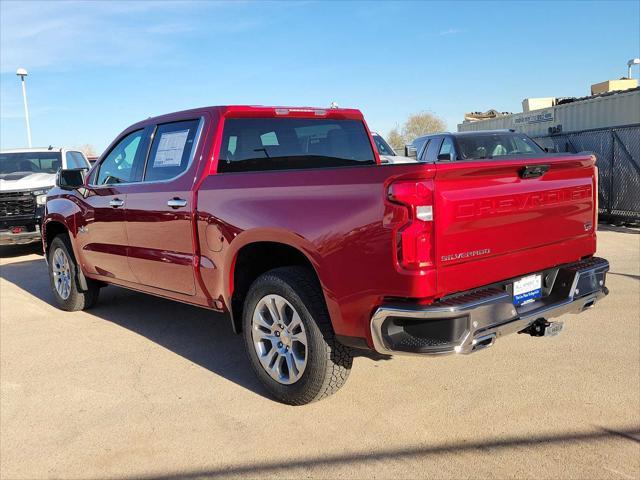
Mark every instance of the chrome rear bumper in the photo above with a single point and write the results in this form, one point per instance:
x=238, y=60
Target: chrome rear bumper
x=473, y=320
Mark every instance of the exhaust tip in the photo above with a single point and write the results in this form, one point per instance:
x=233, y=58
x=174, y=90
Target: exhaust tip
x=483, y=342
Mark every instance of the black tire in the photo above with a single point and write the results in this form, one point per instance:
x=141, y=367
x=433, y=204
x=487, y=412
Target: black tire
x=77, y=299
x=328, y=361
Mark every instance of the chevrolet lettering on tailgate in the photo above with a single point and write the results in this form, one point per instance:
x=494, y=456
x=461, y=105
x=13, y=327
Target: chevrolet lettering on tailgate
x=525, y=201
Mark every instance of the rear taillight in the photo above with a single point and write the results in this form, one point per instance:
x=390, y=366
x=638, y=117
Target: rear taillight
x=414, y=239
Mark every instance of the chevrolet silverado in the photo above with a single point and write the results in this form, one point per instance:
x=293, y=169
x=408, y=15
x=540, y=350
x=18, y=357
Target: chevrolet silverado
x=285, y=219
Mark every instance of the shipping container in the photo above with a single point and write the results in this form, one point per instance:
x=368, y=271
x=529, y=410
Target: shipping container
x=607, y=110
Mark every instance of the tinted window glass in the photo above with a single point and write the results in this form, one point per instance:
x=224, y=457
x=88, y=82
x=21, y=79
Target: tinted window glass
x=250, y=144
x=447, y=147
x=117, y=167
x=495, y=145
x=431, y=153
x=76, y=160
x=422, y=151
x=382, y=146
x=171, y=150
x=36, y=162
x=420, y=143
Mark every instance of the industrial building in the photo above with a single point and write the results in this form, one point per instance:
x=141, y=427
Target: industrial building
x=607, y=123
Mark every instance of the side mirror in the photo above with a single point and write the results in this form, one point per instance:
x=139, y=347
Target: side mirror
x=444, y=157
x=71, y=178
x=410, y=151
x=550, y=149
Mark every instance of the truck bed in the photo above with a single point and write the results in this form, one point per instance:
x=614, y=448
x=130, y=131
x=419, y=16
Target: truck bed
x=489, y=223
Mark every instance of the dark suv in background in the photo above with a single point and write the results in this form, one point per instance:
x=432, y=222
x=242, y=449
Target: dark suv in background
x=472, y=146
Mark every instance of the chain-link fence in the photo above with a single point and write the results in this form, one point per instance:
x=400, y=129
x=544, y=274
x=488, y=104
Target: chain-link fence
x=618, y=152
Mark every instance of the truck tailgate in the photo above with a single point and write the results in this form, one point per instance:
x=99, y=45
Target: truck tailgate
x=499, y=219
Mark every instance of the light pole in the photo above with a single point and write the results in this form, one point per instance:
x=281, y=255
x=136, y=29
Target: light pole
x=631, y=63
x=21, y=72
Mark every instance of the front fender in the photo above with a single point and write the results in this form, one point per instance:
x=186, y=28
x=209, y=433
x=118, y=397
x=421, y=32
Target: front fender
x=61, y=208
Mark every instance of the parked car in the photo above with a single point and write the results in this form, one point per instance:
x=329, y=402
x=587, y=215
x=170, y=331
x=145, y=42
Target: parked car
x=476, y=145
x=282, y=218
x=388, y=154
x=26, y=175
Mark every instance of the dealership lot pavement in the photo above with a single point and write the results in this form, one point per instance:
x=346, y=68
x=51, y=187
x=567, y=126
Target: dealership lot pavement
x=143, y=387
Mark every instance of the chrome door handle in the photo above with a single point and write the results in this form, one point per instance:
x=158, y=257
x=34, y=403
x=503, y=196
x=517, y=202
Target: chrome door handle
x=177, y=203
x=116, y=202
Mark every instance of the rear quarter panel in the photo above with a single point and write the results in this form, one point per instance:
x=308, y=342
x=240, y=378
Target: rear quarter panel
x=339, y=218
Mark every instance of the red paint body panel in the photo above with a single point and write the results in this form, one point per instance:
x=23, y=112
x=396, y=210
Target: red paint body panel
x=515, y=225
x=489, y=224
x=352, y=253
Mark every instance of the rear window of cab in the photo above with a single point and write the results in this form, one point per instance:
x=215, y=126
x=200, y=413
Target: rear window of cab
x=258, y=144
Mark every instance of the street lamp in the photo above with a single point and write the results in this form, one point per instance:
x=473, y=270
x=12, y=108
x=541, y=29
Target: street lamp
x=631, y=63
x=21, y=72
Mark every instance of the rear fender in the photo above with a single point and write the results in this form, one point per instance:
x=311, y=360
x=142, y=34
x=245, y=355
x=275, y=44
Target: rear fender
x=278, y=236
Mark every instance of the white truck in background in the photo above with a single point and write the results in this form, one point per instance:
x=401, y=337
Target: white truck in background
x=388, y=154
x=26, y=175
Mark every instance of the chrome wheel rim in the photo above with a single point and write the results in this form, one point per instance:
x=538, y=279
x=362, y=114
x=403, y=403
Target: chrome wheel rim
x=279, y=339
x=61, y=270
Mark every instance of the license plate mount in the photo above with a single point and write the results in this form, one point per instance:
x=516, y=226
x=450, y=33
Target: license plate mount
x=527, y=289
x=553, y=329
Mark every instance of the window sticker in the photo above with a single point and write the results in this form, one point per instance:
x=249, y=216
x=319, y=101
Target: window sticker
x=170, y=149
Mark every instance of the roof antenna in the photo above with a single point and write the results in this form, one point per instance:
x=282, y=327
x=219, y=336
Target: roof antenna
x=334, y=105
x=50, y=147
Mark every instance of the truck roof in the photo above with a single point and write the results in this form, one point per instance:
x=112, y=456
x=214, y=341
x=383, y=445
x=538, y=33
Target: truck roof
x=259, y=111
x=33, y=149
x=468, y=133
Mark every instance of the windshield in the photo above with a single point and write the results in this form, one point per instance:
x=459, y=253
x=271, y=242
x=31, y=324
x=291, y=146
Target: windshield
x=495, y=145
x=29, y=162
x=383, y=147
x=251, y=144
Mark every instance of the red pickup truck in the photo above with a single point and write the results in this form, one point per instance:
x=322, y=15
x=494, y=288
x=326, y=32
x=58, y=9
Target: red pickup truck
x=285, y=219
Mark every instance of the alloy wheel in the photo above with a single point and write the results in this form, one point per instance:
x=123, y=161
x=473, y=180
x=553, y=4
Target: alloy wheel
x=61, y=270
x=280, y=339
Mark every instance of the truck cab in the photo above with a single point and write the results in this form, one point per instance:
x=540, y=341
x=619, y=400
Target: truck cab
x=26, y=175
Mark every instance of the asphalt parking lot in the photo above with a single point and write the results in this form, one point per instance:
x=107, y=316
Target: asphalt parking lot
x=144, y=387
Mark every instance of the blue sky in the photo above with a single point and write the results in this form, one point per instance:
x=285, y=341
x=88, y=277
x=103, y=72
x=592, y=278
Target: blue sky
x=96, y=67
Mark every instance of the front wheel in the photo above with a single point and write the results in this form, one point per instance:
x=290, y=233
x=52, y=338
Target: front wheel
x=64, y=279
x=289, y=338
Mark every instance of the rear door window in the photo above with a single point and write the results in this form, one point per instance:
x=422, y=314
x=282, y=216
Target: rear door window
x=431, y=153
x=171, y=151
x=447, y=148
x=255, y=144
x=422, y=151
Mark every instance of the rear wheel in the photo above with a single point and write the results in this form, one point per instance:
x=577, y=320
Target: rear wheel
x=289, y=338
x=64, y=279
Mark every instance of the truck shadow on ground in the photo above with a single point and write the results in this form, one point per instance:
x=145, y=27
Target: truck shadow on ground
x=201, y=336
x=8, y=251
x=311, y=465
